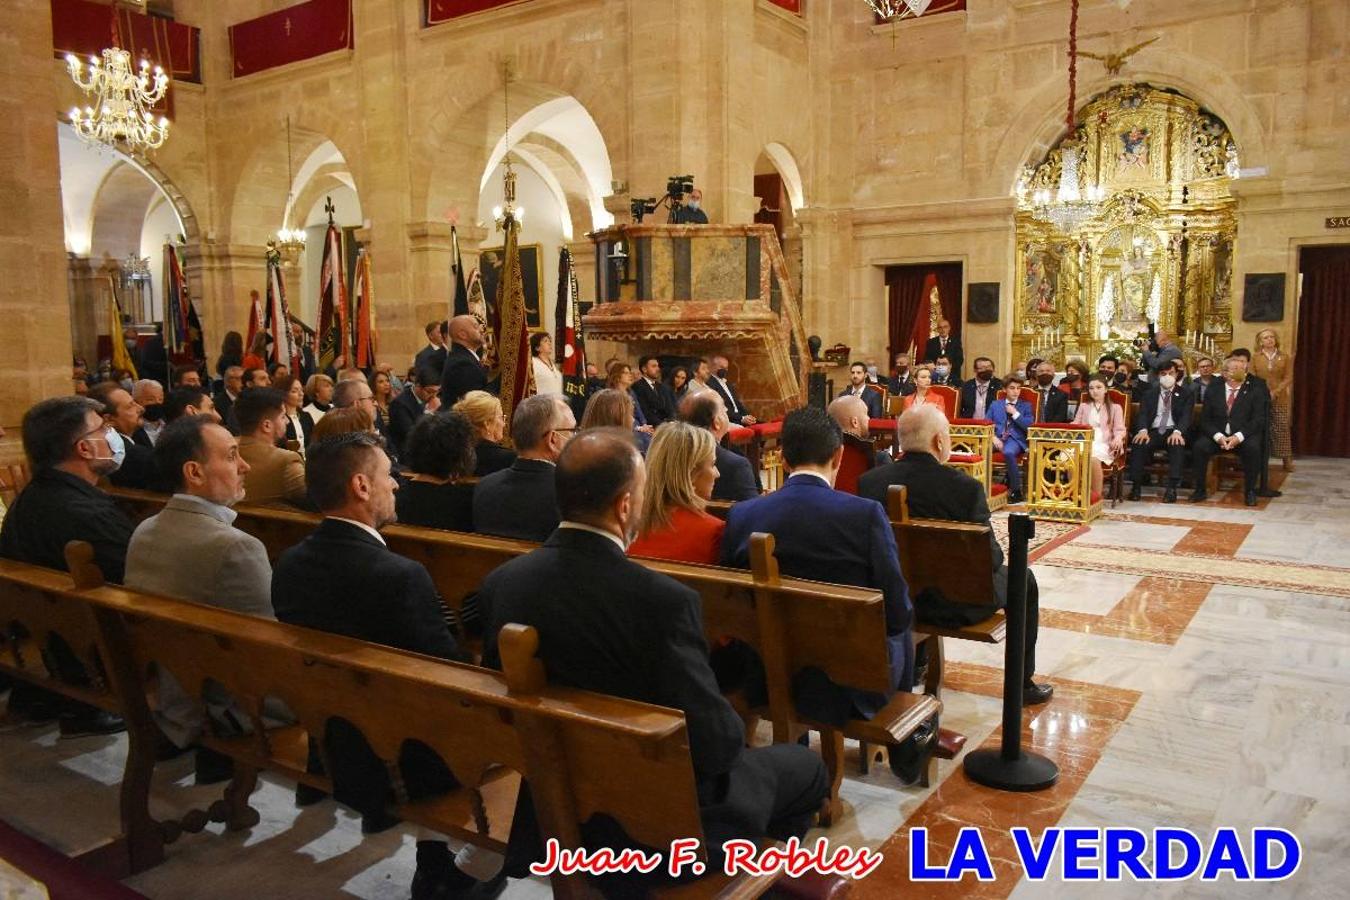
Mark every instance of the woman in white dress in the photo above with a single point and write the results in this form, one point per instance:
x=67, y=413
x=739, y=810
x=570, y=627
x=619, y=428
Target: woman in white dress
x=548, y=377
x=1108, y=428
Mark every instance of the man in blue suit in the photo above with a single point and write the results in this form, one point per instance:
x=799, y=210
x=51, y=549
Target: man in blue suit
x=858, y=387
x=1011, y=419
x=827, y=535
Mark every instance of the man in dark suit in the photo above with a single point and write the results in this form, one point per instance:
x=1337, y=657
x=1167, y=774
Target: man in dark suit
x=654, y=397
x=463, y=370
x=937, y=492
x=138, y=469
x=417, y=399
x=434, y=353
x=610, y=625
x=1162, y=422
x=343, y=579
x=737, y=479
x=858, y=387
x=945, y=374
x=232, y=385
x=305, y=348
x=1263, y=417
x=944, y=344
x=828, y=535
x=1204, y=377
x=1230, y=423
x=736, y=410
x=980, y=392
x=902, y=382
x=1054, y=405
x=521, y=502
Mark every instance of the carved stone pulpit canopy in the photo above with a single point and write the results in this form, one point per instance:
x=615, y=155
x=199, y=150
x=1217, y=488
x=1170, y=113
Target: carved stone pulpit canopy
x=1160, y=250
x=703, y=290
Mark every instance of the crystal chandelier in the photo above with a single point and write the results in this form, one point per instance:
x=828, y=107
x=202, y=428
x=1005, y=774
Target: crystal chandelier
x=289, y=241
x=1069, y=207
x=120, y=115
x=889, y=9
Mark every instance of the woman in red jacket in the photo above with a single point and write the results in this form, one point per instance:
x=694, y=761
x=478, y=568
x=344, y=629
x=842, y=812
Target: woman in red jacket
x=681, y=470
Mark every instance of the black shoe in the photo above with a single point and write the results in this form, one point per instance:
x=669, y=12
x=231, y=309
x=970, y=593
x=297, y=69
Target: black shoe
x=1170, y=495
x=908, y=759
x=1250, y=498
x=1135, y=492
x=1268, y=492
x=212, y=767
x=1035, y=694
x=375, y=822
x=308, y=795
x=94, y=721
x=1199, y=494
x=33, y=704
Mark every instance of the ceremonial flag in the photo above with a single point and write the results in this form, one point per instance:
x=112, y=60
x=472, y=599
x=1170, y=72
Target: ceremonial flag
x=285, y=350
x=568, y=343
x=513, y=340
x=183, y=340
x=460, y=307
x=255, y=318
x=478, y=308
x=121, y=359
x=363, y=313
x=333, y=335
x=924, y=324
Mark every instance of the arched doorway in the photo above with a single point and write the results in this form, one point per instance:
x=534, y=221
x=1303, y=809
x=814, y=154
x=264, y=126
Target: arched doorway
x=1159, y=248
x=779, y=192
x=118, y=212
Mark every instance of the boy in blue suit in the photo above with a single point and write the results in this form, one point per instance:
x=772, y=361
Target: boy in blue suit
x=1011, y=419
x=826, y=535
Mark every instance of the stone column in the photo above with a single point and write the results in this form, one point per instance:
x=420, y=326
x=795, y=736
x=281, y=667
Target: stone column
x=35, y=347
x=83, y=293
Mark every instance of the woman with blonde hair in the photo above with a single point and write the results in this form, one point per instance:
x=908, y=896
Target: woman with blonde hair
x=681, y=472
x=484, y=413
x=1277, y=368
x=319, y=389
x=923, y=380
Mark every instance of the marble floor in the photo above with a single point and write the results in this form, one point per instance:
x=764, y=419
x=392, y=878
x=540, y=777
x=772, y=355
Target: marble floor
x=1201, y=659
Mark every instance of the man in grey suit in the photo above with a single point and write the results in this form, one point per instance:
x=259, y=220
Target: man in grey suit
x=192, y=551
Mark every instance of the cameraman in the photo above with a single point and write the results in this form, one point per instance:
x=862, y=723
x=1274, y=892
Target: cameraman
x=691, y=212
x=1161, y=352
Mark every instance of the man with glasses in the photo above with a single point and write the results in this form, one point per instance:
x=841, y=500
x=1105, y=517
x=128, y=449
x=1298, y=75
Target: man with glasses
x=521, y=502
x=69, y=448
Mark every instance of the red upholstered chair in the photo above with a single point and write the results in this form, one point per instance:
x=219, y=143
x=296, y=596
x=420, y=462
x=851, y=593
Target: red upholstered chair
x=951, y=397
x=858, y=458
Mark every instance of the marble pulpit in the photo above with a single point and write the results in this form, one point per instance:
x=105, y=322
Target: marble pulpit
x=701, y=290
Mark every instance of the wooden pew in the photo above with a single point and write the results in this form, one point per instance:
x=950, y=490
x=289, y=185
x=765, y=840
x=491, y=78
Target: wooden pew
x=582, y=753
x=791, y=623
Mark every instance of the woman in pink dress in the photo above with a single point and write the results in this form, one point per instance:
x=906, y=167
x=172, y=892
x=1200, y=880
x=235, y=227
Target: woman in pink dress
x=1108, y=428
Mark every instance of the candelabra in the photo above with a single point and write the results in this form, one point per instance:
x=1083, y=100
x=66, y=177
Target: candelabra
x=121, y=113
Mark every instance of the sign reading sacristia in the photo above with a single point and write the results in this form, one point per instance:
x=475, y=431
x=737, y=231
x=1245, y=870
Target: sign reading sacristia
x=1338, y=221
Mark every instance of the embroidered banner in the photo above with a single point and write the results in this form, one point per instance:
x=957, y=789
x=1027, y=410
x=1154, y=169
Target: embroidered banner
x=85, y=28
x=437, y=12
x=290, y=35
x=936, y=8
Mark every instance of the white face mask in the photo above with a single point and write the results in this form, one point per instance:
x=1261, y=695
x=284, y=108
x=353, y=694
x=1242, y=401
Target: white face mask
x=1167, y=381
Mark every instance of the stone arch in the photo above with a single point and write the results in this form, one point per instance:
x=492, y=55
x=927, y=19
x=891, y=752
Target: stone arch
x=786, y=164
x=466, y=147
x=1039, y=123
x=118, y=214
x=262, y=194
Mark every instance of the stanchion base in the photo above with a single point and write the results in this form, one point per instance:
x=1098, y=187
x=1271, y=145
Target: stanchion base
x=1029, y=772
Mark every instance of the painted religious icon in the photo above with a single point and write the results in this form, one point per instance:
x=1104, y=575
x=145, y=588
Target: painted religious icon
x=1040, y=281
x=1133, y=148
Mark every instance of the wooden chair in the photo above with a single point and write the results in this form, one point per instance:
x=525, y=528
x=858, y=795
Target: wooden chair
x=582, y=753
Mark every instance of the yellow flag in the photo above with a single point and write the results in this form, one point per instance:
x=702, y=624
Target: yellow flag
x=121, y=359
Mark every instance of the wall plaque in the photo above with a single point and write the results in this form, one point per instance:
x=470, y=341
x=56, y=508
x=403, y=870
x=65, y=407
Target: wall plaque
x=982, y=302
x=1263, y=297
x=1338, y=221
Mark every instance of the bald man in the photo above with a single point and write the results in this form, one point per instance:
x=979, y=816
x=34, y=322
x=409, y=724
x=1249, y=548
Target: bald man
x=463, y=365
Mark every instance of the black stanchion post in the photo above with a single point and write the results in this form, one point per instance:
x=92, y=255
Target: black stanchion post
x=1010, y=768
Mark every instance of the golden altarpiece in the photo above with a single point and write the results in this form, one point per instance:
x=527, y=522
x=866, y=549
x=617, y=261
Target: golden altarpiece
x=1159, y=249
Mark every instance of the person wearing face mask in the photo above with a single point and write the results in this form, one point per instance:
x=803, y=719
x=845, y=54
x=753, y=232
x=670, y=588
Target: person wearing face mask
x=1108, y=428
x=944, y=343
x=938, y=492
x=609, y=624
x=1054, y=404
x=943, y=373
x=717, y=380
x=978, y=394
x=136, y=465
x=1162, y=423
x=69, y=448
x=902, y=382
x=521, y=501
x=691, y=212
x=1230, y=422
x=150, y=395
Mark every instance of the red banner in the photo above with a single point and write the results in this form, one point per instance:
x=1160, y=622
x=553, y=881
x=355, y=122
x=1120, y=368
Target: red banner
x=290, y=35
x=436, y=12
x=85, y=28
x=792, y=6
